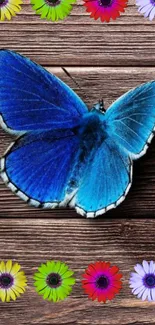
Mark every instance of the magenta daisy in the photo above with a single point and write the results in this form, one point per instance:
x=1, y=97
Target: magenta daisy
x=102, y=281
x=105, y=9
x=142, y=281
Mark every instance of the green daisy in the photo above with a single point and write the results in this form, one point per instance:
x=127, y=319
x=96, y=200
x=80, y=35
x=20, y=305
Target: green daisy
x=52, y=9
x=54, y=281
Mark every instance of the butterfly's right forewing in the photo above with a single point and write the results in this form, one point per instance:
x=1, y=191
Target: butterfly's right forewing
x=131, y=119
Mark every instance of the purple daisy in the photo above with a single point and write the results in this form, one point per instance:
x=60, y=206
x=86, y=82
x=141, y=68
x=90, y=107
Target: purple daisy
x=142, y=281
x=147, y=8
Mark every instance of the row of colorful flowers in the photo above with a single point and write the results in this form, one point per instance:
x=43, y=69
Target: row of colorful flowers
x=54, y=280
x=55, y=10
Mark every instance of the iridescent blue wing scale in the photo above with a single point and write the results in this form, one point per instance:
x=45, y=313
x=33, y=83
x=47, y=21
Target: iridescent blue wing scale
x=33, y=99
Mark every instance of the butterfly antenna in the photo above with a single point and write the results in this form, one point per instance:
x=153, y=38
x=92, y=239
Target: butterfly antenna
x=75, y=82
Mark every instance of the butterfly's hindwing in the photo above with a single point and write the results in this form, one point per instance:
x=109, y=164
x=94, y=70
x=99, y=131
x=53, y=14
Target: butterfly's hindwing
x=105, y=176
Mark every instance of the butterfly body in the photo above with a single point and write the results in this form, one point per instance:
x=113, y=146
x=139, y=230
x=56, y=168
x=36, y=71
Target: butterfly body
x=66, y=155
x=91, y=131
x=90, y=135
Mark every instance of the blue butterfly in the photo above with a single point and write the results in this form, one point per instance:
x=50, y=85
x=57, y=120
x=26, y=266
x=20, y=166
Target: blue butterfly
x=66, y=155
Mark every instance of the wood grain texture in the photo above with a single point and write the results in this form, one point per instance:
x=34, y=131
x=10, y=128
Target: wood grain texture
x=108, y=83
x=78, y=243
x=106, y=60
x=80, y=40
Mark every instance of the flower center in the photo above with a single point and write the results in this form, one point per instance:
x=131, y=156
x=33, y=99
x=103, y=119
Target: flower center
x=150, y=280
x=52, y=3
x=54, y=280
x=6, y=281
x=3, y=3
x=102, y=282
x=105, y=3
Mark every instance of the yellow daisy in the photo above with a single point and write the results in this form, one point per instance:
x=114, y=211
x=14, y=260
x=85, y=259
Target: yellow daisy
x=9, y=8
x=12, y=281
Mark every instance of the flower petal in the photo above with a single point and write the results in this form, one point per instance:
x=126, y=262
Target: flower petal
x=149, y=296
x=8, y=266
x=136, y=285
x=152, y=265
x=3, y=295
x=67, y=274
x=146, y=267
x=2, y=267
x=12, y=294
x=145, y=294
x=137, y=290
x=153, y=294
x=15, y=268
x=141, y=293
x=139, y=269
x=152, y=14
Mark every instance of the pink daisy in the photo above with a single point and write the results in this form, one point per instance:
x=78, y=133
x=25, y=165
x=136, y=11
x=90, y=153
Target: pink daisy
x=102, y=281
x=105, y=9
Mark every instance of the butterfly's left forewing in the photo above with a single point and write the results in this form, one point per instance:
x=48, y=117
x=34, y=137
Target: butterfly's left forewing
x=33, y=99
x=42, y=110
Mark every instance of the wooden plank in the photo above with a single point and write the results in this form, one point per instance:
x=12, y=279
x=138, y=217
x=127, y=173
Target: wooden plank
x=80, y=40
x=78, y=243
x=96, y=83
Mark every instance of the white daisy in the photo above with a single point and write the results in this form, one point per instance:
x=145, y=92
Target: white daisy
x=147, y=8
x=142, y=281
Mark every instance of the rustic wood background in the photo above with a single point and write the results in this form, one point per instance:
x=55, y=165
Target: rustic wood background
x=106, y=60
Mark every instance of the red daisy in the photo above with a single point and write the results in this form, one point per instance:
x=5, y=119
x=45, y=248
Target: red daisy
x=105, y=9
x=102, y=281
